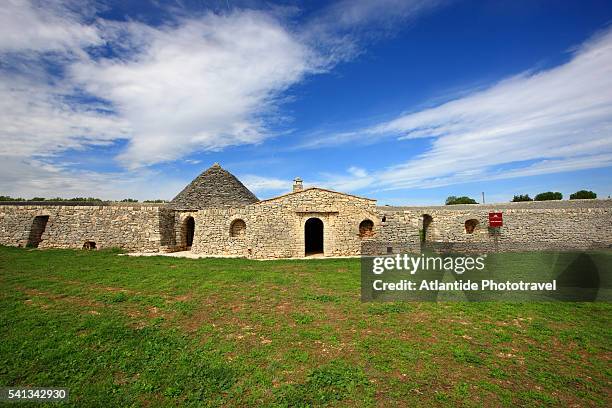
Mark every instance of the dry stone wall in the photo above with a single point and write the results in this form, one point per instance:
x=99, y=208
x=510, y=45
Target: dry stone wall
x=275, y=228
x=558, y=225
x=135, y=228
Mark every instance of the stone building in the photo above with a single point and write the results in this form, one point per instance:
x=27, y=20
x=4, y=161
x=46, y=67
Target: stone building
x=216, y=215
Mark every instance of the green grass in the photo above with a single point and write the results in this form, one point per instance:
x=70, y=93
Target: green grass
x=159, y=331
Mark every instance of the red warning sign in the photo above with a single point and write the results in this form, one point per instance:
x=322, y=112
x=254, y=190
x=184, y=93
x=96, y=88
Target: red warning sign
x=496, y=219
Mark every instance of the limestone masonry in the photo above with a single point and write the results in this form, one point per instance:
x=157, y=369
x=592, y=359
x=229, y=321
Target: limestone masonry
x=217, y=215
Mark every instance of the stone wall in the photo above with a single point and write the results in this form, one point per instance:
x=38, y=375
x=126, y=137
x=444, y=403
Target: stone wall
x=134, y=227
x=550, y=225
x=275, y=227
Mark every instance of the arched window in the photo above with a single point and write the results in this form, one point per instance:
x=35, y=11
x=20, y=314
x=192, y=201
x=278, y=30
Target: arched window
x=470, y=226
x=238, y=228
x=366, y=228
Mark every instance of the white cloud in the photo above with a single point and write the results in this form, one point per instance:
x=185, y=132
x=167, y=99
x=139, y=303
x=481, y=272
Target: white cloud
x=355, y=179
x=29, y=178
x=341, y=27
x=357, y=171
x=265, y=185
x=534, y=123
x=354, y=14
x=37, y=120
x=201, y=82
x=47, y=26
x=202, y=85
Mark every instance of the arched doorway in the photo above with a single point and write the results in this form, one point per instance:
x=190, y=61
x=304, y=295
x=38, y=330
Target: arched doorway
x=188, y=231
x=313, y=236
x=36, y=230
x=427, y=220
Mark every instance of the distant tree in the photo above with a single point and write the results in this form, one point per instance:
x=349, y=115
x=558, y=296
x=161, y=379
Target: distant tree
x=92, y=199
x=460, y=200
x=583, y=195
x=549, y=195
x=155, y=201
x=129, y=200
x=83, y=199
x=8, y=198
x=521, y=197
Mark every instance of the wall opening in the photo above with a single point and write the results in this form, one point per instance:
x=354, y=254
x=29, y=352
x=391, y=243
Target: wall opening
x=238, y=229
x=366, y=228
x=89, y=245
x=313, y=236
x=38, y=228
x=188, y=232
x=470, y=226
x=427, y=220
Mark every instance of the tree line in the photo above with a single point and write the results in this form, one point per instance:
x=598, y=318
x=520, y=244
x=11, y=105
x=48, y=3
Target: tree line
x=555, y=195
x=81, y=199
x=547, y=196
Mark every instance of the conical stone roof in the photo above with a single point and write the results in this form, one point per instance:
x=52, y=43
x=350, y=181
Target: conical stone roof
x=215, y=187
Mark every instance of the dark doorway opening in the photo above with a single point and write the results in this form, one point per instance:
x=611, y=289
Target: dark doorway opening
x=427, y=220
x=38, y=228
x=313, y=236
x=189, y=229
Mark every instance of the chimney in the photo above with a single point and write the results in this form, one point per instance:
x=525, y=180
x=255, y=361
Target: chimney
x=297, y=185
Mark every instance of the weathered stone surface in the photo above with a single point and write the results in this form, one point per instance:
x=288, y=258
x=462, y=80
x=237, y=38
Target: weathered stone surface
x=215, y=187
x=547, y=225
x=135, y=228
x=275, y=228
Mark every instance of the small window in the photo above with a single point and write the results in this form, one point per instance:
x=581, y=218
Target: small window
x=366, y=228
x=389, y=250
x=238, y=228
x=470, y=226
x=384, y=218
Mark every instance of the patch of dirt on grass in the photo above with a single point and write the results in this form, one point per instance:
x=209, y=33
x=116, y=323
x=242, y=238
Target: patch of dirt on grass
x=61, y=298
x=83, y=284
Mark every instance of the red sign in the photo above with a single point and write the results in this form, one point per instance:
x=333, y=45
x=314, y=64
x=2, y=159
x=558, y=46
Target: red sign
x=495, y=219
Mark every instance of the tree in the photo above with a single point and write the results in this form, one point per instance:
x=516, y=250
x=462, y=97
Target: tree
x=129, y=200
x=549, y=195
x=84, y=199
x=583, y=195
x=460, y=200
x=8, y=198
x=521, y=197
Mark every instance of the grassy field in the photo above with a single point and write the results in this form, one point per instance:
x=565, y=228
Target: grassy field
x=159, y=331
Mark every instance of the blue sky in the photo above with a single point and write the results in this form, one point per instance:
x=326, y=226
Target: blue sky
x=407, y=102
